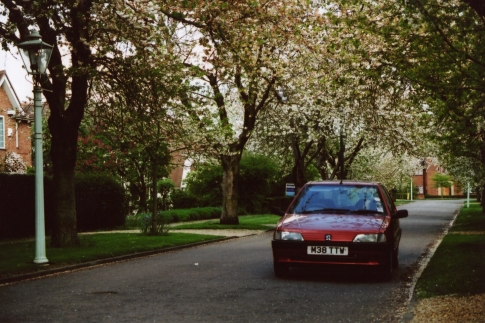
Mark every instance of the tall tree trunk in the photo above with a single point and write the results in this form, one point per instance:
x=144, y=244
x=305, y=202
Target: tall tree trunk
x=483, y=199
x=64, y=126
x=153, y=230
x=299, y=162
x=64, y=132
x=230, y=168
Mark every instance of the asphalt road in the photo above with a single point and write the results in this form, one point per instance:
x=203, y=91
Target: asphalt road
x=231, y=281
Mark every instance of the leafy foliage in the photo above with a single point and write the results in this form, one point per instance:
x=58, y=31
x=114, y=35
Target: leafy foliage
x=13, y=163
x=256, y=176
x=144, y=222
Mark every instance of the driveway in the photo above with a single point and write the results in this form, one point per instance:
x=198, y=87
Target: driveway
x=230, y=281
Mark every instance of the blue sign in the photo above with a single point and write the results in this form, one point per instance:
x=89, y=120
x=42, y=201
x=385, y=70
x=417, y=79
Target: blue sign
x=290, y=189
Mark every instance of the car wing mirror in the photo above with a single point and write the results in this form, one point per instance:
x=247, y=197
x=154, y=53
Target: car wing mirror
x=401, y=214
x=277, y=210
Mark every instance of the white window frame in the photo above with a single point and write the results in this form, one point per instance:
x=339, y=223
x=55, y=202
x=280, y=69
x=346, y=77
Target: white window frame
x=2, y=132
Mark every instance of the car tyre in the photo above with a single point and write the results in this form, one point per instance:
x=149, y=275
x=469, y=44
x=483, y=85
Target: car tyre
x=281, y=270
x=387, y=268
x=395, y=258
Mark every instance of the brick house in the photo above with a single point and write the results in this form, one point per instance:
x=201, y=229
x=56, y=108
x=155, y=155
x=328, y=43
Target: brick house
x=423, y=179
x=182, y=166
x=15, y=123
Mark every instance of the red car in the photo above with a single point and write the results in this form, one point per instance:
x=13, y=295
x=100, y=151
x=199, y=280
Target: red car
x=339, y=223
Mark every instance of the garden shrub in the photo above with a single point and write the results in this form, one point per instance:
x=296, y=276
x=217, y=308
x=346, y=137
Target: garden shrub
x=181, y=199
x=17, y=205
x=144, y=221
x=256, y=175
x=202, y=213
x=279, y=202
x=99, y=202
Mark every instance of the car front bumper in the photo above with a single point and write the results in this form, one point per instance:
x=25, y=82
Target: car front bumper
x=359, y=253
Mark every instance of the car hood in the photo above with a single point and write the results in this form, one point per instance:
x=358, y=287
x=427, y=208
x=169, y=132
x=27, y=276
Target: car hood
x=333, y=223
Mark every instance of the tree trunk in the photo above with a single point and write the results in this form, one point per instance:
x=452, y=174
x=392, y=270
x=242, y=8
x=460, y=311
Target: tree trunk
x=483, y=199
x=298, y=164
x=230, y=167
x=153, y=230
x=63, y=154
x=63, y=126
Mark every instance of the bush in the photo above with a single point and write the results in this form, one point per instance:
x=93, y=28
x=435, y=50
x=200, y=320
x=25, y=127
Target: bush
x=17, y=205
x=144, y=221
x=99, y=204
x=279, y=202
x=201, y=213
x=181, y=199
x=256, y=175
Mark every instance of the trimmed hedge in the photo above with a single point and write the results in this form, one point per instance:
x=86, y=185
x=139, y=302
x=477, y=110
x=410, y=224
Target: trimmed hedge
x=17, y=205
x=99, y=204
x=182, y=200
x=193, y=214
x=281, y=202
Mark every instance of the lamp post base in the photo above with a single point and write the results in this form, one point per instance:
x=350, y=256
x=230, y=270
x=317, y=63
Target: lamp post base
x=41, y=261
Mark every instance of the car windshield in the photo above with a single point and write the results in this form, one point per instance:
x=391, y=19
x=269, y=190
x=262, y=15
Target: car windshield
x=352, y=199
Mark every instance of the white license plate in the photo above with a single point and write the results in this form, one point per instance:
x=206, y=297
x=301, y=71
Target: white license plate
x=328, y=250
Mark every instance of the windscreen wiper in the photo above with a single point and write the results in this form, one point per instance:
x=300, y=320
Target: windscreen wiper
x=366, y=212
x=326, y=210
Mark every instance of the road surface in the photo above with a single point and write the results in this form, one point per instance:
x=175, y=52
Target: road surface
x=230, y=281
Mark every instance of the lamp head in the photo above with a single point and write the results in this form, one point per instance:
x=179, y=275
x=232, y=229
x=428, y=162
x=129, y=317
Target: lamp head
x=35, y=54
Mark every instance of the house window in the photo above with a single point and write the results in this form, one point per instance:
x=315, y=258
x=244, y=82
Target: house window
x=421, y=189
x=2, y=132
x=418, y=172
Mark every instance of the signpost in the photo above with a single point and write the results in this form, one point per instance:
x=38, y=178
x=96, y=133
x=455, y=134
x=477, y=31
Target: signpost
x=290, y=189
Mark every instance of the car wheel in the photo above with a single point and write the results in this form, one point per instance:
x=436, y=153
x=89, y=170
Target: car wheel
x=387, y=267
x=280, y=270
x=395, y=258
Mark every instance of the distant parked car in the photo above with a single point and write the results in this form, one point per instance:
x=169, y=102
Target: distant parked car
x=334, y=223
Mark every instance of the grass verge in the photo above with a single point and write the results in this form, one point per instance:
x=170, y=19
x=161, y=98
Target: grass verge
x=247, y=222
x=459, y=262
x=16, y=258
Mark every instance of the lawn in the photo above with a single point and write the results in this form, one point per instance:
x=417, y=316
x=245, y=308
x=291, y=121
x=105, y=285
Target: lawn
x=16, y=257
x=247, y=222
x=459, y=262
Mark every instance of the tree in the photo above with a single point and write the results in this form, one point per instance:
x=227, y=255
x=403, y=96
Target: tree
x=237, y=54
x=137, y=115
x=256, y=177
x=84, y=34
x=439, y=47
x=441, y=180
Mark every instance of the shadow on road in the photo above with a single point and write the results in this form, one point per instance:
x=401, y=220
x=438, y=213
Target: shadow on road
x=339, y=275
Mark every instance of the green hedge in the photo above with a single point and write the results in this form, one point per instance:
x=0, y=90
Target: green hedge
x=281, y=202
x=200, y=213
x=99, y=204
x=183, y=200
x=17, y=205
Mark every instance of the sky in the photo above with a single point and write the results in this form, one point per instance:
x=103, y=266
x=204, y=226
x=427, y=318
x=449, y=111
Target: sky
x=21, y=82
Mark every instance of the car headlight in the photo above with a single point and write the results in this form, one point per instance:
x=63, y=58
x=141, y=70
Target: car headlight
x=375, y=237
x=285, y=235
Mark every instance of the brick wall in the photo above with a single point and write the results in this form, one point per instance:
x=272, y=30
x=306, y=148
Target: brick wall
x=18, y=138
x=426, y=181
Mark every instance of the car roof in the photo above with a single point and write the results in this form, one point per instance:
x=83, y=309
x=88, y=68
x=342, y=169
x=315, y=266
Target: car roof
x=345, y=182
